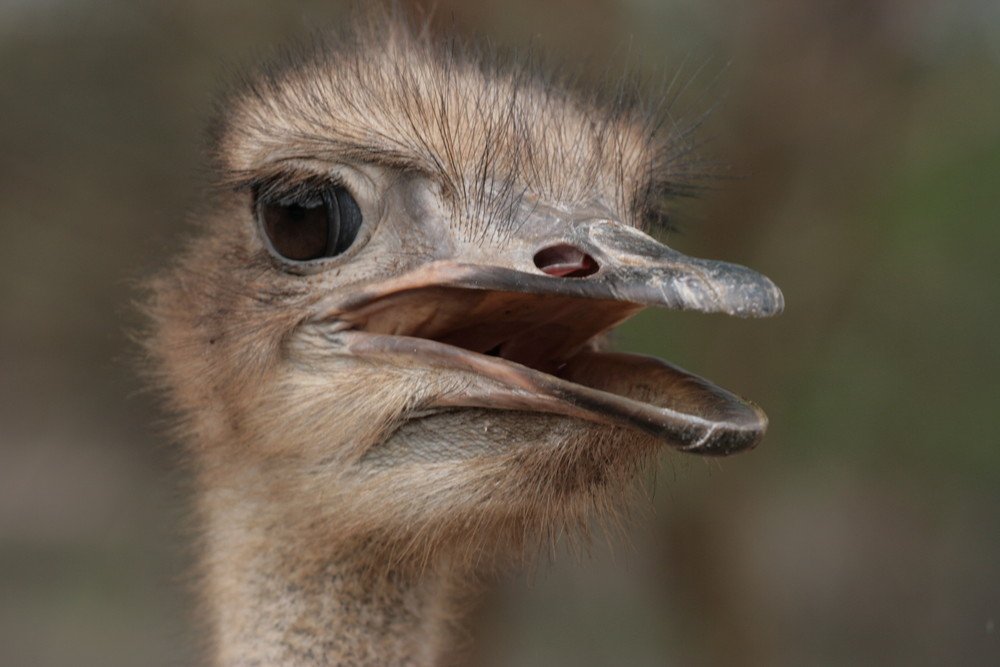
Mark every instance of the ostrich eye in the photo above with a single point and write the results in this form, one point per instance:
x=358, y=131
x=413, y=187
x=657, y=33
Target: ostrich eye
x=309, y=224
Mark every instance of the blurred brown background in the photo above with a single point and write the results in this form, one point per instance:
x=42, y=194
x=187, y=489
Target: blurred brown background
x=866, y=529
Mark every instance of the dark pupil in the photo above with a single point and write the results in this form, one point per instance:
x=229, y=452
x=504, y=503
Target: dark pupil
x=311, y=227
x=297, y=232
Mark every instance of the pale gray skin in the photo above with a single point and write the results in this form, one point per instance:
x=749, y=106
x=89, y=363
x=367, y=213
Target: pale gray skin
x=372, y=431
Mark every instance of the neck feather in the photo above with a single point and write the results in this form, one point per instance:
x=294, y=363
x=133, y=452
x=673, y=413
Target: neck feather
x=277, y=600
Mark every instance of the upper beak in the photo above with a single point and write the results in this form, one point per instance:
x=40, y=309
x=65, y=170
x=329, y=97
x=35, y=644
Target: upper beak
x=629, y=267
x=541, y=306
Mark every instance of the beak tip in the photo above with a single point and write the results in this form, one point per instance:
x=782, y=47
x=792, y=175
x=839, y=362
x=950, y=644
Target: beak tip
x=732, y=442
x=777, y=305
x=772, y=302
x=742, y=435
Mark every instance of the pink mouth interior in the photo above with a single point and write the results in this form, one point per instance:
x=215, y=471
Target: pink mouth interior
x=538, y=331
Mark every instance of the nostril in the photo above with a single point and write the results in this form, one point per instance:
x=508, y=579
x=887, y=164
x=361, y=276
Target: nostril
x=565, y=261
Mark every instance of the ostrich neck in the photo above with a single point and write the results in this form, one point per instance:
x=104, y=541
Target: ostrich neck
x=277, y=600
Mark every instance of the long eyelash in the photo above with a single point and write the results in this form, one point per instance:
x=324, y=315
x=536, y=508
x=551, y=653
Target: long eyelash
x=286, y=187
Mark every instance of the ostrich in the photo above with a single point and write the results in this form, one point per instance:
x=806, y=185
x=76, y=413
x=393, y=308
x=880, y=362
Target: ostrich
x=385, y=344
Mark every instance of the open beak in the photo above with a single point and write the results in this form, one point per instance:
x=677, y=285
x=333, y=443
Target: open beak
x=528, y=334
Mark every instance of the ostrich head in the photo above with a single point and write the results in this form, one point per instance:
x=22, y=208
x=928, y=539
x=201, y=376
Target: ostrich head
x=386, y=341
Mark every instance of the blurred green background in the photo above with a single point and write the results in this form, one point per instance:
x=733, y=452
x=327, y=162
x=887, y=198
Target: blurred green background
x=865, y=530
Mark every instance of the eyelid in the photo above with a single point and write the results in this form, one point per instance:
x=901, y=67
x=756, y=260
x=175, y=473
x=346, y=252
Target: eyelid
x=287, y=189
